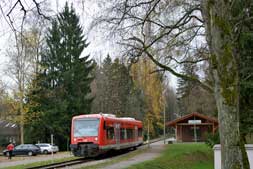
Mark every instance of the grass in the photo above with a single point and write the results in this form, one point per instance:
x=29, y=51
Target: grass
x=35, y=164
x=181, y=156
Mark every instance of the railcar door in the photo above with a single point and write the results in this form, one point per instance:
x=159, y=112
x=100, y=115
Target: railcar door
x=117, y=134
x=135, y=133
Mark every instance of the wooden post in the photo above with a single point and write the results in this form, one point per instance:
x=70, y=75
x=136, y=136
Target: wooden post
x=181, y=133
x=176, y=132
x=194, y=128
x=148, y=134
x=213, y=128
x=52, y=143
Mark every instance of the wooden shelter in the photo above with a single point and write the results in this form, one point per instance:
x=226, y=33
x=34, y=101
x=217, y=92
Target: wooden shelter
x=193, y=127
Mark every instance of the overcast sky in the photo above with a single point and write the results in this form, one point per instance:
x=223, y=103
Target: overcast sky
x=87, y=9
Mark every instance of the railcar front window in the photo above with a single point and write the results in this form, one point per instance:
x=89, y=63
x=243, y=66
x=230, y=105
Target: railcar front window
x=86, y=127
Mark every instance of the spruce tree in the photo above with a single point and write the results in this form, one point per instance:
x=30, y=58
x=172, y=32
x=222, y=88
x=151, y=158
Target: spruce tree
x=246, y=80
x=65, y=77
x=114, y=89
x=184, y=88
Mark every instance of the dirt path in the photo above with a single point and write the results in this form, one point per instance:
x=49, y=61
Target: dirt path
x=153, y=152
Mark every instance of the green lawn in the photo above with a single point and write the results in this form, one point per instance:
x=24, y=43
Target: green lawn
x=181, y=156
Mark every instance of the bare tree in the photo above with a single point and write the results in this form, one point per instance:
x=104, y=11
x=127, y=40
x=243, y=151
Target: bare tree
x=10, y=11
x=17, y=69
x=27, y=23
x=22, y=66
x=201, y=29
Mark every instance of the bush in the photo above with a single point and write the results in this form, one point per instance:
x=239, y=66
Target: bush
x=213, y=139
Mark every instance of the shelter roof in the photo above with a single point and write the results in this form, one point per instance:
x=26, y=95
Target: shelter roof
x=6, y=124
x=190, y=116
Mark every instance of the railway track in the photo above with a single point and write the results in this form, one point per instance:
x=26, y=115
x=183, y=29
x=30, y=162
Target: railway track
x=69, y=163
x=63, y=164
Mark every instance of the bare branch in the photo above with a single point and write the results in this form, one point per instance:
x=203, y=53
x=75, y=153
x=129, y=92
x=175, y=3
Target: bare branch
x=39, y=10
x=187, y=61
x=157, y=70
x=144, y=49
x=10, y=21
x=186, y=19
x=186, y=77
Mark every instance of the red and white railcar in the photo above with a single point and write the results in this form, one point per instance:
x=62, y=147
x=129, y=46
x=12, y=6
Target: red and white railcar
x=94, y=134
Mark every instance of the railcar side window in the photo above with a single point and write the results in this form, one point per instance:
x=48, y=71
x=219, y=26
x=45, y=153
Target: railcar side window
x=122, y=133
x=110, y=133
x=139, y=132
x=130, y=133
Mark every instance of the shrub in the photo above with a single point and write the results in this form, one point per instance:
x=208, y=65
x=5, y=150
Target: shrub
x=213, y=139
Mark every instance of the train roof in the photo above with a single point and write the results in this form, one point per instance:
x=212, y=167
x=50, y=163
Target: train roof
x=106, y=116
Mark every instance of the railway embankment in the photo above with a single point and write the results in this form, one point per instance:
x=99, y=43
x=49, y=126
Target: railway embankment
x=27, y=161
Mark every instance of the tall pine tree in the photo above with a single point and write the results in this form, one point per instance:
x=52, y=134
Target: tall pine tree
x=185, y=87
x=64, y=78
x=113, y=87
x=189, y=94
x=246, y=80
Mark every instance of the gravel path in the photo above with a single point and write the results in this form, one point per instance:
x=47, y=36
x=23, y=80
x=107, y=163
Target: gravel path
x=19, y=160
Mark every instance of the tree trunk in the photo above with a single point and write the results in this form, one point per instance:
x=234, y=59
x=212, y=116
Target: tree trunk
x=229, y=129
x=221, y=36
x=21, y=109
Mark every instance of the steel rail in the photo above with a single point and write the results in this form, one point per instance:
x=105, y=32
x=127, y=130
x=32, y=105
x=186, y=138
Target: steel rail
x=62, y=164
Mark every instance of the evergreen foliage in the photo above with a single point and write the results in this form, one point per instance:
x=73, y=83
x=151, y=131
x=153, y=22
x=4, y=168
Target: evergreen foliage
x=246, y=79
x=130, y=91
x=185, y=87
x=114, y=90
x=191, y=97
x=62, y=87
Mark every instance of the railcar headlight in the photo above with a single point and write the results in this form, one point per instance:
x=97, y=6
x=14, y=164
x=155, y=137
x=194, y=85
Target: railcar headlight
x=96, y=139
x=74, y=139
